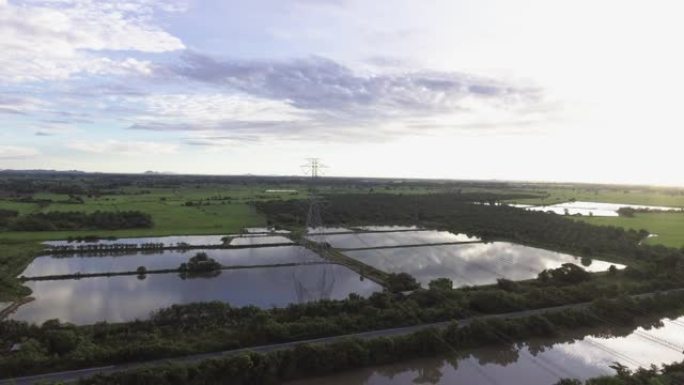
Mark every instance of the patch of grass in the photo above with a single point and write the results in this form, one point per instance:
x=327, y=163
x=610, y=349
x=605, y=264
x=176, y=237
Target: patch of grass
x=14, y=257
x=613, y=194
x=668, y=226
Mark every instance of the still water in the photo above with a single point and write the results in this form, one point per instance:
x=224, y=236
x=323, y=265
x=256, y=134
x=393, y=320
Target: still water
x=259, y=240
x=536, y=362
x=361, y=240
x=192, y=240
x=591, y=208
x=262, y=230
x=327, y=230
x=165, y=259
x=388, y=228
x=471, y=264
x=125, y=298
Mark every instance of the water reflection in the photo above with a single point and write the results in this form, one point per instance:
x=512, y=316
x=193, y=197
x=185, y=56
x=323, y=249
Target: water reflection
x=471, y=264
x=582, y=354
x=261, y=230
x=165, y=259
x=388, y=228
x=192, y=240
x=259, y=240
x=360, y=240
x=327, y=230
x=596, y=209
x=125, y=298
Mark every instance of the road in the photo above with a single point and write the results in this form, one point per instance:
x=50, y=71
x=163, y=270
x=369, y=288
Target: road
x=74, y=375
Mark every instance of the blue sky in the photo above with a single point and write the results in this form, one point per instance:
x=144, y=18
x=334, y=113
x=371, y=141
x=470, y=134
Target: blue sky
x=490, y=89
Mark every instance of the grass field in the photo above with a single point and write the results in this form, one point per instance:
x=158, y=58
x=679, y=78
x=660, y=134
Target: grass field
x=639, y=196
x=668, y=226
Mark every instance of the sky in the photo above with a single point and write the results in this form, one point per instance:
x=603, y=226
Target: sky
x=542, y=90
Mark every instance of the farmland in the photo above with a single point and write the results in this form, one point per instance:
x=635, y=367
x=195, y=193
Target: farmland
x=396, y=254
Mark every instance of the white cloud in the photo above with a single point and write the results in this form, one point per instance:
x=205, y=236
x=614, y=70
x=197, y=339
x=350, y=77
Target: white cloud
x=117, y=147
x=212, y=112
x=14, y=104
x=16, y=152
x=55, y=39
x=219, y=107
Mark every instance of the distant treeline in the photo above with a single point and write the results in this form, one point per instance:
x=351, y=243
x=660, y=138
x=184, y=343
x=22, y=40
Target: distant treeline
x=25, y=183
x=74, y=220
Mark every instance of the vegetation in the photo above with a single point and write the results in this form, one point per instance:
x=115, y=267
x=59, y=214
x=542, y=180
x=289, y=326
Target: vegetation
x=66, y=204
x=200, y=265
x=398, y=282
x=668, y=228
x=316, y=360
x=74, y=220
x=206, y=327
x=450, y=212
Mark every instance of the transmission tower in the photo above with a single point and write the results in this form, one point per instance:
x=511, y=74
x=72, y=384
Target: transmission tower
x=314, y=221
x=322, y=287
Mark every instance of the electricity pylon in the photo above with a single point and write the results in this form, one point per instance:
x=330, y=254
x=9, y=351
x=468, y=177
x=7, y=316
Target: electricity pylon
x=323, y=286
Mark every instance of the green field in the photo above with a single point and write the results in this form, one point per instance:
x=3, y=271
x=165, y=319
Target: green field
x=166, y=206
x=669, y=227
x=612, y=194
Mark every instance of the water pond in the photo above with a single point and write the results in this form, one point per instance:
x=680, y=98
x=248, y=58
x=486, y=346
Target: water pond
x=596, y=209
x=536, y=362
x=390, y=239
x=471, y=264
x=388, y=228
x=259, y=240
x=328, y=230
x=262, y=230
x=125, y=298
x=165, y=259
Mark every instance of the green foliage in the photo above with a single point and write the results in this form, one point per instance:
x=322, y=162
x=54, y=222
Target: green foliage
x=568, y=273
x=312, y=360
x=75, y=220
x=458, y=214
x=397, y=282
x=441, y=284
x=200, y=264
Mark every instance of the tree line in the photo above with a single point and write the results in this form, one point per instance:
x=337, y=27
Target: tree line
x=76, y=220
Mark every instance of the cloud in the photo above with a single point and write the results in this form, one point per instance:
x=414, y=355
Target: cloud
x=212, y=108
x=326, y=86
x=56, y=39
x=320, y=99
x=244, y=117
x=18, y=105
x=117, y=147
x=16, y=152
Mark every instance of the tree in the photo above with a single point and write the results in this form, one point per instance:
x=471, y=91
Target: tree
x=62, y=341
x=200, y=264
x=567, y=381
x=401, y=282
x=568, y=273
x=441, y=284
x=627, y=212
x=612, y=270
